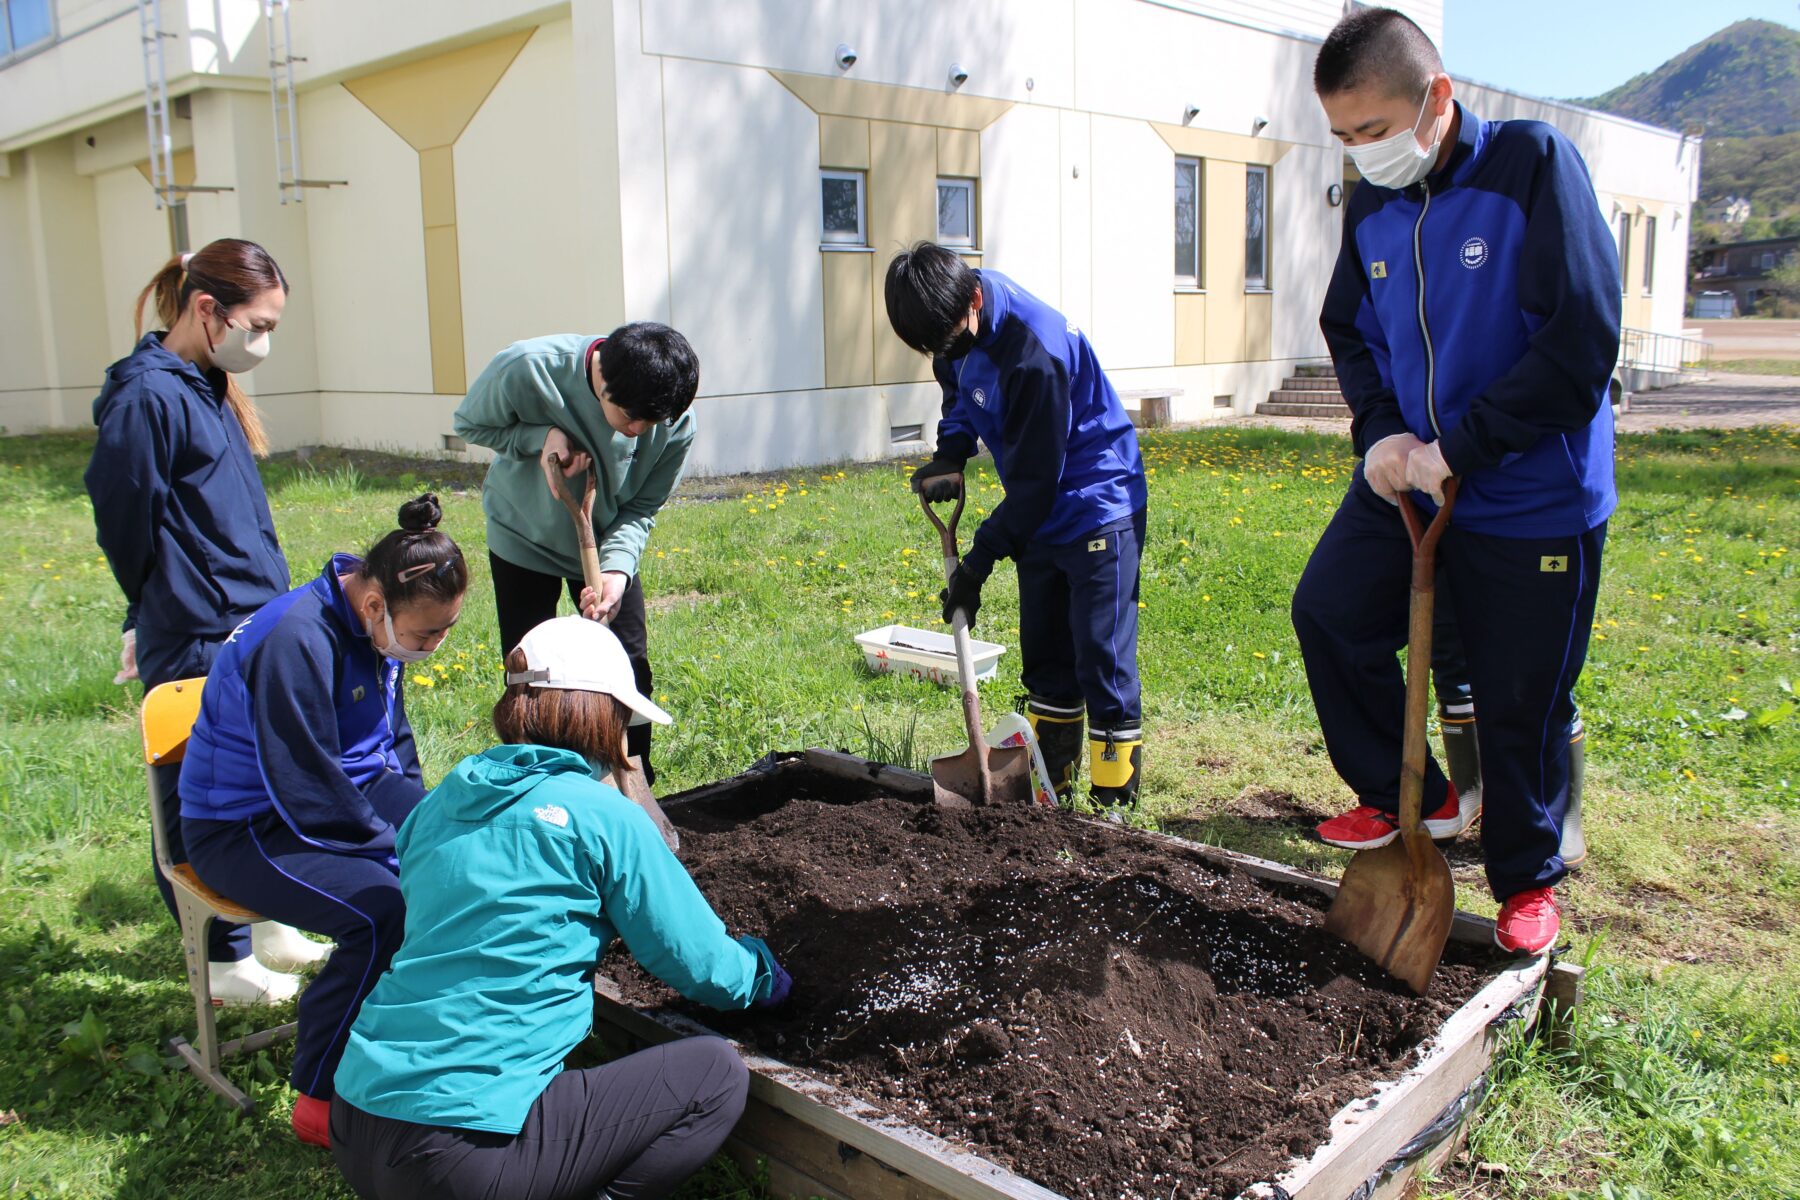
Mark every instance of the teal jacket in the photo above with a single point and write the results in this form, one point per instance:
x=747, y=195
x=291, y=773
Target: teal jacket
x=518, y=871
x=529, y=387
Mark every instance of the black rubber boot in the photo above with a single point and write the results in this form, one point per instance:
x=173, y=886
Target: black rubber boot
x=1574, y=845
x=1058, y=729
x=1115, y=766
x=1462, y=758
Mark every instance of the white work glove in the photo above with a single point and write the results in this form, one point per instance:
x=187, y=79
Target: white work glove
x=1426, y=471
x=1384, y=466
x=127, y=657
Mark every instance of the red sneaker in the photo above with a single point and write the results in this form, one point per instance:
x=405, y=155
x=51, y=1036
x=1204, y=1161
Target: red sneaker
x=312, y=1121
x=1456, y=815
x=1529, y=922
x=1362, y=828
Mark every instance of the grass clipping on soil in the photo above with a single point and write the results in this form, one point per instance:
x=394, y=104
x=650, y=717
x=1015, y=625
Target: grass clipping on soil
x=1104, y=1014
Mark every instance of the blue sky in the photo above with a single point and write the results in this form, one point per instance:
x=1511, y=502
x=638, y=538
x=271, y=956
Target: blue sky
x=1574, y=48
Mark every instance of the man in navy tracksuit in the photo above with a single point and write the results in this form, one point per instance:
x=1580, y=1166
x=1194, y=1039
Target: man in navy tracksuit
x=1021, y=378
x=1474, y=319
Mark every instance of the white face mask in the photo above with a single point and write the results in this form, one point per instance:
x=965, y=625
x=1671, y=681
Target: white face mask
x=394, y=649
x=1398, y=161
x=239, y=350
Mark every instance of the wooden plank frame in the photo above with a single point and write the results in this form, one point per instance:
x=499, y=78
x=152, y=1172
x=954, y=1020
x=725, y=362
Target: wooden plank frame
x=820, y=1140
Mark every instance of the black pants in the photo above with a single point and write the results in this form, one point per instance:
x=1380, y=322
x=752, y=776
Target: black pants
x=629, y=1130
x=1528, y=604
x=1078, y=625
x=525, y=599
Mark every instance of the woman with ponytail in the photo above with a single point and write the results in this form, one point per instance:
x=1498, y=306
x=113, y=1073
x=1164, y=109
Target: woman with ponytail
x=180, y=512
x=302, y=766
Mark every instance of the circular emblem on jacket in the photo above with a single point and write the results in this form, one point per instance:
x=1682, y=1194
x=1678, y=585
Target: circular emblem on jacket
x=981, y=397
x=1474, y=253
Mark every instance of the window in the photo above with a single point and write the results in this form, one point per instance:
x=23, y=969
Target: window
x=1624, y=250
x=841, y=196
x=956, y=212
x=1256, y=228
x=24, y=23
x=1187, y=222
x=1649, y=253
x=1767, y=261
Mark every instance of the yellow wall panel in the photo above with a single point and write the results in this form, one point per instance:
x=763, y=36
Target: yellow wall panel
x=884, y=102
x=430, y=102
x=443, y=294
x=844, y=143
x=1222, y=260
x=1233, y=147
x=959, y=153
x=1190, y=328
x=849, y=319
x=437, y=187
x=1259, y=326
x=902, y=210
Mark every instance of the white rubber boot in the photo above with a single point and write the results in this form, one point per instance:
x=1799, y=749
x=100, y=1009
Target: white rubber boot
x=282, y=948
x=246, y=981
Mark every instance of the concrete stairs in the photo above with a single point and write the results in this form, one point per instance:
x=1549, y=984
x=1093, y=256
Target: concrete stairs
x=1311, y=391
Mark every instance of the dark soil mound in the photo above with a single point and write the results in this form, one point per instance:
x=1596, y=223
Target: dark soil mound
x=1108, y=1015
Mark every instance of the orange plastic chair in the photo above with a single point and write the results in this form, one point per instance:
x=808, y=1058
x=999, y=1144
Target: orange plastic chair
x=168, y=718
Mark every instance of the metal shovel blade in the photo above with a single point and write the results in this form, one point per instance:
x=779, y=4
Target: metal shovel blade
x=638, y=792
x=1396, y=904
x=956, y=778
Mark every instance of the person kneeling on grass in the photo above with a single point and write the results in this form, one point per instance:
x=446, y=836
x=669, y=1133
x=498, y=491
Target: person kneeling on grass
x=302, y=765
x=520, y=870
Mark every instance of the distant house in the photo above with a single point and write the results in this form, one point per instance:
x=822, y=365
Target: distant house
x=1741, y=268
x=1732, y=210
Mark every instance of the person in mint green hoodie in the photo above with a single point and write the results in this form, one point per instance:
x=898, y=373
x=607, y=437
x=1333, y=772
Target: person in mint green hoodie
x=518, y=871
x=570, y=403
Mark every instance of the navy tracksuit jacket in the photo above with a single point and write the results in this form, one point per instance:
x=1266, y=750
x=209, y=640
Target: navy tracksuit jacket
x=1478, y=309
x=299, y=771
x=1033, y=392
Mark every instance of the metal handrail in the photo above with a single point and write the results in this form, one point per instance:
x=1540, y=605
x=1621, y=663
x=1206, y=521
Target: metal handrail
x=1647, y=350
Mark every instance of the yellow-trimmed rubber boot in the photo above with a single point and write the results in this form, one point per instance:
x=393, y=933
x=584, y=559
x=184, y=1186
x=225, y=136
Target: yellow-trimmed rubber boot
x=1058, y=729
x=1574, y=845
x=1115, y=764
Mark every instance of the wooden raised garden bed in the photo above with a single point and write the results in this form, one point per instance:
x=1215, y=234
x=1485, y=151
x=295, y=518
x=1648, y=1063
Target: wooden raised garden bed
x=1188, y=1114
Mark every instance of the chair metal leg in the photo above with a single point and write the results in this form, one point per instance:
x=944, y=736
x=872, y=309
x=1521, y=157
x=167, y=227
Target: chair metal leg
x=203, y=1055
x=211, y=1076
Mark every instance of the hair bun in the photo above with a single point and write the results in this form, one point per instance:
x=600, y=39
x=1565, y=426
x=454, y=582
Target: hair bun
x=421, y=514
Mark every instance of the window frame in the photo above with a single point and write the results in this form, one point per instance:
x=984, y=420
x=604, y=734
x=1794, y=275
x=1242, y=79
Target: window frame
x=1622, y=235
x=969, y=185
x=1259, y=283
x=1649, y=255
x=1196, y=281
x=9, y=52
x=832, y=239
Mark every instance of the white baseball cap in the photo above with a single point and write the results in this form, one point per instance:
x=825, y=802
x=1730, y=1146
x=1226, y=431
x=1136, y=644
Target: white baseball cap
x=579, y=655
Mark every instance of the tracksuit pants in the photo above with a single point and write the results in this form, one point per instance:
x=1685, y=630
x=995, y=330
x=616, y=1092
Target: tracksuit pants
x=1527, y=607
x=163, y=661
x=354, y=900
x=1078, y=626
x=629, y=1130
x=526, y=599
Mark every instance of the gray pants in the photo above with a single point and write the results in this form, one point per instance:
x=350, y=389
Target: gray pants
x=631, y=1130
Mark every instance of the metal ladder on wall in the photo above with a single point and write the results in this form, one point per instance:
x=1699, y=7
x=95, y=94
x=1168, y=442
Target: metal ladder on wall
x=156, y=122
x=288, y=180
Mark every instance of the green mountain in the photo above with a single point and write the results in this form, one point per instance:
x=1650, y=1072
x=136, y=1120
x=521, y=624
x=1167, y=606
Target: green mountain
x=1743, y=81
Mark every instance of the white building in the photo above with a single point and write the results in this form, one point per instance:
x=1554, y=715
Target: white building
x=511, y=168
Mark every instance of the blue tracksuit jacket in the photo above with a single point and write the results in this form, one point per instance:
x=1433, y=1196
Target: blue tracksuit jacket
x=1032, y=391
x=302, y=714
x=178, y=506
x=1480, y=308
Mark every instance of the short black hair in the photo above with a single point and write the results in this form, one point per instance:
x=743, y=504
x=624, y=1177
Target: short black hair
x=1376, y=47
x=929, y=289
x=651, y=371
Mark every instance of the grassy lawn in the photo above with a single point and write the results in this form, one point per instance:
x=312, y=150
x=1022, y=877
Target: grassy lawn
x=1678, y=1081
x=1757, y=366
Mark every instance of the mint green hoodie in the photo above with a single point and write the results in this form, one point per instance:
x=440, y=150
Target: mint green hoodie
x=529, y=387
x=518, y=871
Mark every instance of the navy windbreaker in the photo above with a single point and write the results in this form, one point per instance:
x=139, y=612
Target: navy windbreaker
x=1480, y=308
x=301, y=713
x=178, y=506
x=1033, y=392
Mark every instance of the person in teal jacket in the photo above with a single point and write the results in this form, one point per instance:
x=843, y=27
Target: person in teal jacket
x=567, y=404
x=518, y=871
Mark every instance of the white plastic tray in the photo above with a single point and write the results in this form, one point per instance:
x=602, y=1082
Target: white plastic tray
x=923, y=654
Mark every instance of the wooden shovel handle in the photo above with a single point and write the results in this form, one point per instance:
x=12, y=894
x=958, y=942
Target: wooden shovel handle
x=582, y=513
x=1418, y=665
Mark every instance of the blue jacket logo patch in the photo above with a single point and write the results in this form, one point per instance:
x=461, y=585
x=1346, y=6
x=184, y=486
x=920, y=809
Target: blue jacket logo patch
x=1378, y=269
x=1474, y=253
x=981, y=397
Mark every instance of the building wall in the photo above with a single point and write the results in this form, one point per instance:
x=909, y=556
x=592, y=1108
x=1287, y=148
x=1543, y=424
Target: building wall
x=516, y=168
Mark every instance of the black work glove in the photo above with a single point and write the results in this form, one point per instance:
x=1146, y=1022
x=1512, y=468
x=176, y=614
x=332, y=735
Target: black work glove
x=964, y=592
x=939, y=480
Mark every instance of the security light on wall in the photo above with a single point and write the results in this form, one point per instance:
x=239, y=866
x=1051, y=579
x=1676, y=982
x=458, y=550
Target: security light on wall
x=1258, y=125
x=958, y=76
x=846, y=56
x=1189, y=113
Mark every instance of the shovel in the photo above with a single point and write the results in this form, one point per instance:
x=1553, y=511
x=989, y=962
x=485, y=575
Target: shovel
x=982, y=773
x=582, y=513
x=1396, y=903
